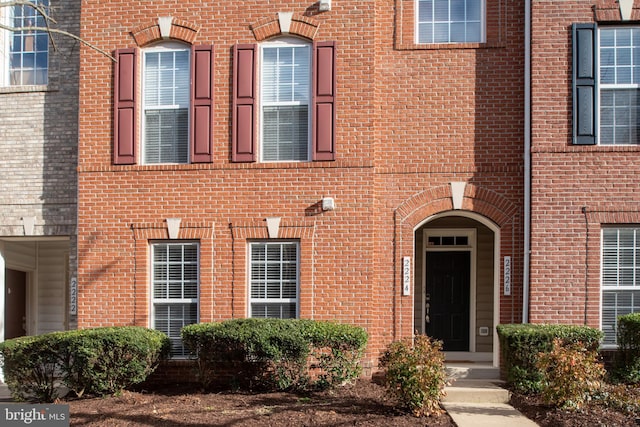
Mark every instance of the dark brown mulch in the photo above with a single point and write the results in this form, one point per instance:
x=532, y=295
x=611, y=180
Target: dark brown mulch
x=361, y=404
x=594, y=415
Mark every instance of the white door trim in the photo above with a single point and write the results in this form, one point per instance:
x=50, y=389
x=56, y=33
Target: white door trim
x=496, y=267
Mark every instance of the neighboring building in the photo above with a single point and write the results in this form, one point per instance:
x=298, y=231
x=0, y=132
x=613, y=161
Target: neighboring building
x=252, y=159
x=585, y=131
x=38, y=147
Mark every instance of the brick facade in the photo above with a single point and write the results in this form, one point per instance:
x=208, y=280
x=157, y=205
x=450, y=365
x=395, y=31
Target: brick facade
x=576, y=190
x=409, y=122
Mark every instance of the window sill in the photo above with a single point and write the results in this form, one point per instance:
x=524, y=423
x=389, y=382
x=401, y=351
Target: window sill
x=449, y=46
x=28, y=89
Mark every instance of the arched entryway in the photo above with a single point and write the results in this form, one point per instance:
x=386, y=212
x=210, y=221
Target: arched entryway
x=455, y=282
x=467, y=234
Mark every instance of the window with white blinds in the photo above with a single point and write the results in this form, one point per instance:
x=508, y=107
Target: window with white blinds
x=166, y=89
x=450, y=21
x=620, y=277
x=285, y=94
x=273, y=280
x=174, y=283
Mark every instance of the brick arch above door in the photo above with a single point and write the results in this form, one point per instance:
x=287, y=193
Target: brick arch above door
x=479, y=200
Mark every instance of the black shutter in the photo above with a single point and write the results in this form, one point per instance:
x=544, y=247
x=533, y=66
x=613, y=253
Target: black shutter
x=585, y=84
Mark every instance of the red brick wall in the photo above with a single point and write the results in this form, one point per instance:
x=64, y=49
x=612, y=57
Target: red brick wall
x=565, y=258
x=408, y=121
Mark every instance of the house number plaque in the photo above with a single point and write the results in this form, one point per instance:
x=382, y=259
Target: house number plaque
x=507, y=275
x=406, y=276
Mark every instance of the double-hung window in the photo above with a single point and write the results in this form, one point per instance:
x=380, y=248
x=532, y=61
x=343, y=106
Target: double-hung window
x=174, y=288
x=273, y=279
x=176, y=109
x=285, y=96
x=450, y=21
x=619, y=85
x=606, y=85
x=284, y=101
x=166, y=88
x=27, y=51
x=620, y=277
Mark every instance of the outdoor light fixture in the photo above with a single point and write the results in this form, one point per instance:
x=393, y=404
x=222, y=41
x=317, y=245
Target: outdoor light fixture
x=324, y=5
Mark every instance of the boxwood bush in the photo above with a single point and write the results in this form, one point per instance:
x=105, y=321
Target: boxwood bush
x=93, y=361
x=275, y=353
x=627, y=360
x=521, y=345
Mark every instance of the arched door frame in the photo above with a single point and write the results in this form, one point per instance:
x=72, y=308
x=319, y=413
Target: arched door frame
x=496, y=267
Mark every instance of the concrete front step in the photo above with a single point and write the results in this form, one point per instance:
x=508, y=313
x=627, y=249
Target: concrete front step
x=476, y=391
x=472, y=371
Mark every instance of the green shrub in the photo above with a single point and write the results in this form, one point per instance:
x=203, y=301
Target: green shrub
x=94, y=361
x=415, y=374
x=627, y=361
x=521, y=345
x=30, y=366
x=275, y=353
x=571, y=374
x=107, y=360
x=338, y=349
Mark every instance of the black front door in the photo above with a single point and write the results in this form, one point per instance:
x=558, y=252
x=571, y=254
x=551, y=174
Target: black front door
x=447, y=298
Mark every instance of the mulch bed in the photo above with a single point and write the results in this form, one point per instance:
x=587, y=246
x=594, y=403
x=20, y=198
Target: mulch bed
x=361, y=404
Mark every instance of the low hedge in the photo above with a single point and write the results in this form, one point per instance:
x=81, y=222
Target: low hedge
x=627, y=361
x=521, y=345
x=275, y=353
x=89, y=361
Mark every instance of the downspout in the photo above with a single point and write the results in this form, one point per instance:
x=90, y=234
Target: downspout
x=527, y=161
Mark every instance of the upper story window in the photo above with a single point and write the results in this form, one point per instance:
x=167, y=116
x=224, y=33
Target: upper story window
x=285, y=84
x=166, y=84
x=450, y=21
x=284, y=101
x=176, y=109
x=27, y=52
x=606, y=85
x=619, y=85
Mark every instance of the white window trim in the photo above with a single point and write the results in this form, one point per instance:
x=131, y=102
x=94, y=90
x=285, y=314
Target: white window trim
x=6, y=17
x=601, y=86
x=287, y=42
x=295, y=300
x=604, y=288
x=483, y=25
x=154, y=301
x=163, y=47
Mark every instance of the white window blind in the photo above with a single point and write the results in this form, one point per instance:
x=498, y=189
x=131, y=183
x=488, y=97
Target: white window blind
x=166, y=106
x=175, y=284
x=620, y=277
x=450, y=21
x=274, y=279
x=285, y=83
